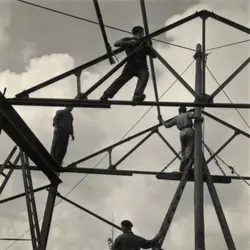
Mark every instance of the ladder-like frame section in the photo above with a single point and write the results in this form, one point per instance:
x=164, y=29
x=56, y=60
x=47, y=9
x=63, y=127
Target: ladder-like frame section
x=31, y=203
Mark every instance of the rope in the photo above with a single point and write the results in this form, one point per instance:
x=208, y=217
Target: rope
x=230, y=167
x=216, y=161
x=227, y=45
x=82, y=179
x=228, y=97
x=93, y=22
x=233, y=171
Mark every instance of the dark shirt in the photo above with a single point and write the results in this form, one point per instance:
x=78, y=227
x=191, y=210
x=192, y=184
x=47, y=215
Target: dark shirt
x=130, y=241
x=140, y=57
x=64, y=120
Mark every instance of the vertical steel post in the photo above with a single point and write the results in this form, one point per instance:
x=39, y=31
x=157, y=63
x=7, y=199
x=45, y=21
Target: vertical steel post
x=151, y=61
x=78, y=81
x=203, y=86
x=198, y=161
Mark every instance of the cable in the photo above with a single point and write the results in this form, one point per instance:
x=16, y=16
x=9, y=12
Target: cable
x=82, y=179
x=232, y=169
x=210, y=151
x=228, y=98
x=227, y=45
x=93, y=22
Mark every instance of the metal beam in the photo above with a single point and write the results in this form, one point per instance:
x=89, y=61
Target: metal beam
x=20, y=133
x=228, y=22
x=198, y=161
x=174, y=25
x=172, y=70
x=175, y=176
x=113, y=166
x=23, y=194
x=66, y=74
x=104, y=35
x=48, y=213
x=218, y=209
x=226, y=124
x=230, y=78
x=169, y=145
x=222, y=147
x=53, y=102
x=88, y=211
x=12, y=152
x=31, y=203
x=111, y=147
x=11, y=169
x=149, y=42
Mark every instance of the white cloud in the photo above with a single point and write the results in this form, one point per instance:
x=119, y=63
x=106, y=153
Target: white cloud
x=5, y=17
x=140, y=199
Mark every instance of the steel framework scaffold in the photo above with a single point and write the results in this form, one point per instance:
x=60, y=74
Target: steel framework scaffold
x=31, y=148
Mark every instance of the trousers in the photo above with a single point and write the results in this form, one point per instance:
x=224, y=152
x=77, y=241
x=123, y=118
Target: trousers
x=127, y=74
x=187, y=146
x=59, y=145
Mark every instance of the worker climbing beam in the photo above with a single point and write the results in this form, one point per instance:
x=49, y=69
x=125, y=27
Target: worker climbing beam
x=52, y=102
x=113, y=70
x=104, y=35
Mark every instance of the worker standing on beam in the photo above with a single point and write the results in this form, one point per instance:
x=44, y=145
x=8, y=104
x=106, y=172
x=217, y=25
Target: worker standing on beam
x=63, y=129
x=136, y=66
x=129, y=241
x=185, y=124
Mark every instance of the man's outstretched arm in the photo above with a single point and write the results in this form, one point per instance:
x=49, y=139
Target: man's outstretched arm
x=127, y=41
x=168, y=124
x=146, y=244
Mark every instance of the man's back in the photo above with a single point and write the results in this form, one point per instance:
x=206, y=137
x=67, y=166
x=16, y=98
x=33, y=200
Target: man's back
x=63, y=119
x=184, y=120
x=130, y=241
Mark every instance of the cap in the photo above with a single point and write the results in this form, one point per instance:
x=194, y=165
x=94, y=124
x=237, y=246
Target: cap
x=127, y=223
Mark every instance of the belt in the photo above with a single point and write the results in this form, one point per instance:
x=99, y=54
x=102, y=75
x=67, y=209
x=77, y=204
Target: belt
x=187, y=126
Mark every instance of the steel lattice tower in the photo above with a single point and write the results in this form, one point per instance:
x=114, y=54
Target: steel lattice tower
x=31, y=148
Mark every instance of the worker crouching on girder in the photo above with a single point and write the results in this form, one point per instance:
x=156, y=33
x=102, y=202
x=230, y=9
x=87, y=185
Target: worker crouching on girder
x=63, y=129
x=135, y=66
x=128, y=240
x=184, y=123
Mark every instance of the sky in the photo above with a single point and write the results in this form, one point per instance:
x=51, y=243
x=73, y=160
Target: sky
x=36, y=45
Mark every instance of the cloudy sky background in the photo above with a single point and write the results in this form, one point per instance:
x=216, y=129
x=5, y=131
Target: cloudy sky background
x=36, y=45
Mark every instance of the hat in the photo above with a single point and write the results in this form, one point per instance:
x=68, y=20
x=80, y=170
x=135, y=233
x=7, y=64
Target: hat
x=127, y=223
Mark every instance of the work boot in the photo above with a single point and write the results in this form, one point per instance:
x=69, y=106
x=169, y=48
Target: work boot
x=139, y=98
x=103, y=98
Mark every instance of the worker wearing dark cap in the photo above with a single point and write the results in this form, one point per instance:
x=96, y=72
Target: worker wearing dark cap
x=129, y=241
